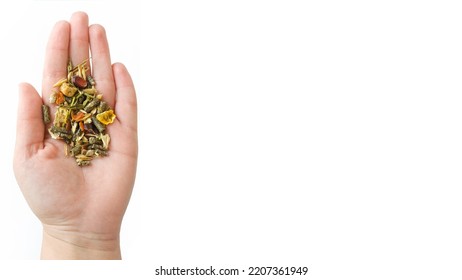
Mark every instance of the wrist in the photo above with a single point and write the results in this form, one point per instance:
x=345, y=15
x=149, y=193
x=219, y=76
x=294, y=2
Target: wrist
x=57, y=244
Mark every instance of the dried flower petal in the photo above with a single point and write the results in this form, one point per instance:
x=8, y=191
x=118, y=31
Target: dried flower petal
x=81, y=126
x=59, y=98
x=67, y=89
x=107, y=117
x=78, y=117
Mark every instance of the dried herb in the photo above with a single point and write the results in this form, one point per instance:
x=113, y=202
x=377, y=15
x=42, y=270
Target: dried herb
x=81, y=116
x=46, y=114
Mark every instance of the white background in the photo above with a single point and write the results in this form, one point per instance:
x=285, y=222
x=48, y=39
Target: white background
x=318, y=133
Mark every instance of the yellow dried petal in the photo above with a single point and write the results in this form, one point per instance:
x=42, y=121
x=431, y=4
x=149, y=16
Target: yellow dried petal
x=107, y=117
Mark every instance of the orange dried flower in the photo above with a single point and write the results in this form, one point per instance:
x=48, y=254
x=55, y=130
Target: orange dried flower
x=59, y=98
x=78, y=117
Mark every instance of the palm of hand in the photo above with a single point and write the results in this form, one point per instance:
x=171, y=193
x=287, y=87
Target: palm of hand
x=82, y=199
x=65, y=197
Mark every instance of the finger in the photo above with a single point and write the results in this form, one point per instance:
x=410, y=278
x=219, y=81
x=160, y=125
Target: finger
x=101, y=63
x=125, y=102
x=78, y=45
x=56, y=57
x=30, y=128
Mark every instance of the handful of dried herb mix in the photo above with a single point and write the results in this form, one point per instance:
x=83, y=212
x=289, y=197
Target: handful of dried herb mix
x=81, y=116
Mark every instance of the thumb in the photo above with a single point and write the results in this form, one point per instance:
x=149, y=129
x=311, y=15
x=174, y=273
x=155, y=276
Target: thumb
x=30, y=129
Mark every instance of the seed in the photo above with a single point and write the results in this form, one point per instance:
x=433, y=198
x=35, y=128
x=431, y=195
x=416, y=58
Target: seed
x=79, y=82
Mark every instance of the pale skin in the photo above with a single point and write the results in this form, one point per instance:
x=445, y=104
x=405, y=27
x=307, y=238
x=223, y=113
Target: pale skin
x=80, y=208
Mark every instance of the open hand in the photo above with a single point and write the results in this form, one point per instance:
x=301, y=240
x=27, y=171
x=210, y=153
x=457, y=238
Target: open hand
x=81, y=208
